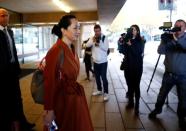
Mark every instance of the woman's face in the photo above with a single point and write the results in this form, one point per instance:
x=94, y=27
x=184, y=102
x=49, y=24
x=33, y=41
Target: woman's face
x=134, y=31
x=73, y=31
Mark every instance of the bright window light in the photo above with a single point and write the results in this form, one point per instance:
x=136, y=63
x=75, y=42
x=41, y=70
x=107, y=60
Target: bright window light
x=62, y=5
x=146, y=12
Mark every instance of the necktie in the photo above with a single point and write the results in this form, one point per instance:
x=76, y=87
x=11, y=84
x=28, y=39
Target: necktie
x=10, y=48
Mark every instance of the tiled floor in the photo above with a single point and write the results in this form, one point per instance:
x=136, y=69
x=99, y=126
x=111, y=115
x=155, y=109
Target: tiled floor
x=112, y=115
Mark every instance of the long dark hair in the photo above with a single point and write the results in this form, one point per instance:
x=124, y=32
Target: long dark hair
x=63, y=23
x=138, y=36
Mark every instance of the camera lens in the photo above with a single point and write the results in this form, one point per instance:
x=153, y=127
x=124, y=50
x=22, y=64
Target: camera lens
x=98, y=39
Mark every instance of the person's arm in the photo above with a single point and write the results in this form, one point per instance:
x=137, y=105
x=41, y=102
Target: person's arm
x=49, y=86
x=180, y=45
x=83, y=46
x=166, y=47
x=172, y=45
x=104, y=45
x=89, y=42
x=49, y=78
x=18, y=69
x=54, y=61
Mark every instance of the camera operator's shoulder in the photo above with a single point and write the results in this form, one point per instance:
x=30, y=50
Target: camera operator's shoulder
x=184, y=35
x=143, y=39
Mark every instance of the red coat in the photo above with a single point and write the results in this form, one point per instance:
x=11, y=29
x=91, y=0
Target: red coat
x=62, y=93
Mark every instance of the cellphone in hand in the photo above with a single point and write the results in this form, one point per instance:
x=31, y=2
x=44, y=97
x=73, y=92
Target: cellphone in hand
x=53, y=126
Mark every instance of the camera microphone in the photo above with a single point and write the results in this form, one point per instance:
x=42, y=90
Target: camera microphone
x=162, y=27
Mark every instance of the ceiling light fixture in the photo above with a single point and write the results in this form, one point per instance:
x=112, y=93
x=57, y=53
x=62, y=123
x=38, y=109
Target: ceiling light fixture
x=62, y=5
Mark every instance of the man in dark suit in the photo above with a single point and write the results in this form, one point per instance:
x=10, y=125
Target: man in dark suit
x=11, y=110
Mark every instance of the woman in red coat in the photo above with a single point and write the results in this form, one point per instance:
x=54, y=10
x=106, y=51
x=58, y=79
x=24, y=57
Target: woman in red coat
x=64, y=98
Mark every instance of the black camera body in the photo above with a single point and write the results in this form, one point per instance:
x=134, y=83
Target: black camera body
x=128, y=35
x=121, y=39
x=175, y=29
x=98, y=39
x=167, y=35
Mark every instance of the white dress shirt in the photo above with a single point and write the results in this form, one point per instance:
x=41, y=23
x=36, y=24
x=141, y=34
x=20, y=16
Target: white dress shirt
x=4, y=29
x=99, y=53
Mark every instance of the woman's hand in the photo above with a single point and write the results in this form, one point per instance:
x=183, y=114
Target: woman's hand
x=129, y=43
x=48, y=117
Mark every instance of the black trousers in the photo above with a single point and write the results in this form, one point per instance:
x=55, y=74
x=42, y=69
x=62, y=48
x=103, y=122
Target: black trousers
x=88, y=65
x=100, y=71
x=10, y=100
x=168, y=81
x=133, y=78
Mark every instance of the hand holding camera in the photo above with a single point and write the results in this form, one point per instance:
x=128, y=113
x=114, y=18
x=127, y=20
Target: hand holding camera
x=97, y=39
x=169, y=34
x=128, y=35
x=129, y=43
x=166, y=37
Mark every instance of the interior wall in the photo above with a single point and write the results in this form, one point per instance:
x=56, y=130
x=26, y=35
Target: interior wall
x=56, y=16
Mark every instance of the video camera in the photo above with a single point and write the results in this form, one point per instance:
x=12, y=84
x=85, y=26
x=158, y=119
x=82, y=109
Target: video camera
x=125, y=37
x=128, y=35
x=167, y=35
x=98, y=39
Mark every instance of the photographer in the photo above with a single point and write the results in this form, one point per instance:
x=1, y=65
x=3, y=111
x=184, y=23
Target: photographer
x=100, y=48
x=133, y=51
x=175, y=72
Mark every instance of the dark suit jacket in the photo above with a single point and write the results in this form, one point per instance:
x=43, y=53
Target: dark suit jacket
x=10, y=94
x=5, y=65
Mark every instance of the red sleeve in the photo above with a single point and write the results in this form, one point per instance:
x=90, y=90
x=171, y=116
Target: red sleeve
x=50, y=78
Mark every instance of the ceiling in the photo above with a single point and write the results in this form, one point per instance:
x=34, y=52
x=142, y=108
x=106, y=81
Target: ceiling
x=107, y=9
x=32, y=6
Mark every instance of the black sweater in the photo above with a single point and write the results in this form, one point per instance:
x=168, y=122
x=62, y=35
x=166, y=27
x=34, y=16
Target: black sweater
x=134, y=54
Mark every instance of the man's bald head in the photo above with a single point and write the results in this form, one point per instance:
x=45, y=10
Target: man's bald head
x=4, y=17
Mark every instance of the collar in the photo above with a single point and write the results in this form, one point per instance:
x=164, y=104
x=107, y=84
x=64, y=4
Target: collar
x=2, y=28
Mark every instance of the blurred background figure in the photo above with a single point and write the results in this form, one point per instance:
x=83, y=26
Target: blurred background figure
x=121, y=42
x=87, y=59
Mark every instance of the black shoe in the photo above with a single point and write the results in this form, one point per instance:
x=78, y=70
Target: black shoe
x=136, y=112
x=182, y=125
x=136, y=109
x=153, y=114
x=130, y=105
x=27, y=126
